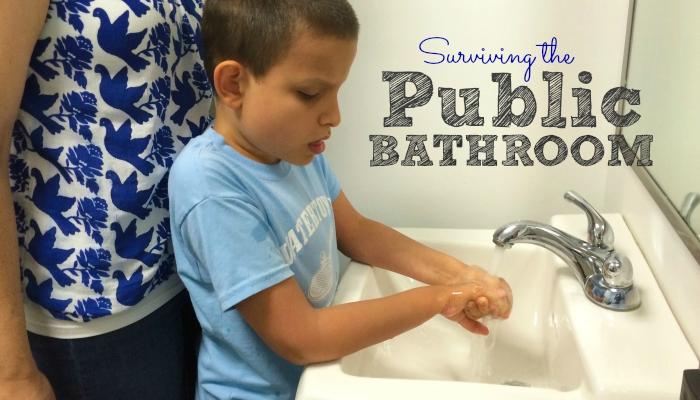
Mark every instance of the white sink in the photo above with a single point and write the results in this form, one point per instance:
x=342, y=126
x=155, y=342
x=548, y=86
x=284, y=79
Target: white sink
x=556, y=344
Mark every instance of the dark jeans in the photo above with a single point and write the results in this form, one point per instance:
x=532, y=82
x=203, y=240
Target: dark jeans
x=154, y=358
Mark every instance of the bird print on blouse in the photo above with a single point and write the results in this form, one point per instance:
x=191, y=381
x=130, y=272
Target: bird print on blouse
x=90, y=188
x=115, y=39
x=116, y=92
x=127, y=197
x=120, y=144
x=36, y=104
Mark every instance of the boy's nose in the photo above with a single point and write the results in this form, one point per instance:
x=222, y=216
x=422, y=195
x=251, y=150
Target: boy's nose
x=332, y=115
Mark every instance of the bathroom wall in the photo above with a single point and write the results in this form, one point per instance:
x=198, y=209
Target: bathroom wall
x=473, y=196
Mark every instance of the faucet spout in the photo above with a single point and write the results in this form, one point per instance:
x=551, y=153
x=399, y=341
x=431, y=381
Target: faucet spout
x=575, y=252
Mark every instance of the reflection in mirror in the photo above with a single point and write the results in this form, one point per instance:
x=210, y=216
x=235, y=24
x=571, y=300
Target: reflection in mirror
x=664, y=63
x=689, y=203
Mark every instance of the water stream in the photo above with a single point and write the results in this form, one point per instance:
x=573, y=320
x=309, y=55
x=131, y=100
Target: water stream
x=482, y=346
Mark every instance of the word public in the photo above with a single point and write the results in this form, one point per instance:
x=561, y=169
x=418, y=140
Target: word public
x=384, y=151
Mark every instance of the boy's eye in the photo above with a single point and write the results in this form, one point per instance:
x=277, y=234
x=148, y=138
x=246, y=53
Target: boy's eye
x=307, y=96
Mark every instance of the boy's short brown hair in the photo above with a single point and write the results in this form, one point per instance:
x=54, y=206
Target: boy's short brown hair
x=258, y=33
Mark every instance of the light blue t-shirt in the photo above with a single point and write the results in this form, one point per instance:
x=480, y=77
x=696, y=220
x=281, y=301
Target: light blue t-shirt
x=240, y=227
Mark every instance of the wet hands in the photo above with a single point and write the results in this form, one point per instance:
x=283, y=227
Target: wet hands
x=475, y=273
x=481, y=295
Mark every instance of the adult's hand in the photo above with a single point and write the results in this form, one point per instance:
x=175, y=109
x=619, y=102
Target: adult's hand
x=35, y=386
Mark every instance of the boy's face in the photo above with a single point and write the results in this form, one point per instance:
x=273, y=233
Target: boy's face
x=288, y=113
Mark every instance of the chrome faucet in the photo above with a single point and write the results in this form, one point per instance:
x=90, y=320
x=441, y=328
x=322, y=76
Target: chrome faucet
x=604, y=273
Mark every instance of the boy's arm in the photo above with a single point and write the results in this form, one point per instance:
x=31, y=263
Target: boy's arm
x=373, y=243
x=20, y=25
x=282, y=316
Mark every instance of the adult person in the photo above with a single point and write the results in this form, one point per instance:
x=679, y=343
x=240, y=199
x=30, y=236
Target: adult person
x=98, y=97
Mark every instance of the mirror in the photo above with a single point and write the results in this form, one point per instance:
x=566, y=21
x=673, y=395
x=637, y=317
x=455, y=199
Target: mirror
x=663, y=61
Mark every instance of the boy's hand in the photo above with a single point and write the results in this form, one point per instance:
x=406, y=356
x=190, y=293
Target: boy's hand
x=473, y=300
x=478, y=308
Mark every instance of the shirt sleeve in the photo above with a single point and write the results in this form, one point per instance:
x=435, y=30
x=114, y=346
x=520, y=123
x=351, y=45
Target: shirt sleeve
x=331, y=181
x=230, y=238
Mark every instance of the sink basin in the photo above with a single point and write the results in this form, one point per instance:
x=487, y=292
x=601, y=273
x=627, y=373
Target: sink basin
x=556, y=344
x=513, y=355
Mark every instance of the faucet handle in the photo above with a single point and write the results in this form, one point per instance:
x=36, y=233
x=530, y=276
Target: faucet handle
x=600, y=233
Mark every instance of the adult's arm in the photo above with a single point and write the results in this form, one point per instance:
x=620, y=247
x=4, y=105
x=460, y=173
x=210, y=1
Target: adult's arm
x=20, y=25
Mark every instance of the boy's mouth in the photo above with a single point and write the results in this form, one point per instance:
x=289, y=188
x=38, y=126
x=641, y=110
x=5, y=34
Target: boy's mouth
x=317, y=147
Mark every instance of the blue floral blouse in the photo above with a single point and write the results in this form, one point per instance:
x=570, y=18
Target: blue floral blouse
x=114, y=90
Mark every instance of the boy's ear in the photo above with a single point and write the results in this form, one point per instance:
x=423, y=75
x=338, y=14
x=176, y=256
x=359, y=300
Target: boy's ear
x=230, y=82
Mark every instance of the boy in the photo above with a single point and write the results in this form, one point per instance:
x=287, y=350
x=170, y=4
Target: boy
x=256, y=211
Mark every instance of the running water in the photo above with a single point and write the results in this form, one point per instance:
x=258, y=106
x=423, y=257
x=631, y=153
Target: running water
x=483, y=345
x=495, y=265
x=494, y=269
